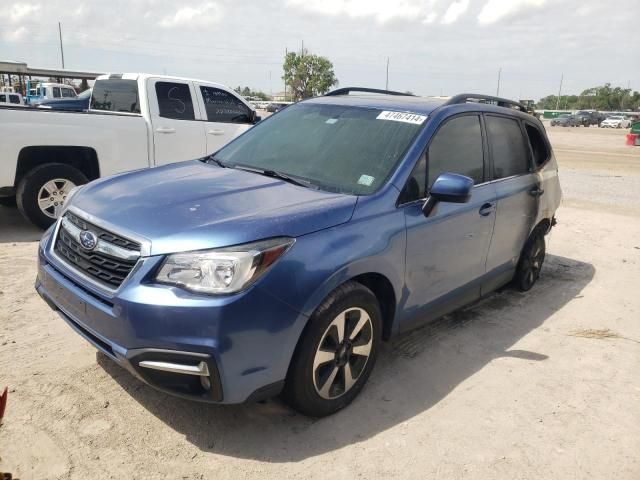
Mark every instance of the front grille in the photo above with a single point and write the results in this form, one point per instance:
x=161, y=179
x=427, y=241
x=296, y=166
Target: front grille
x=107, y=270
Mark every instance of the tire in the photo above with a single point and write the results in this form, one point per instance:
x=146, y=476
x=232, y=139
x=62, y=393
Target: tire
x=531, y=260
x=316, y=382
x=33, y=188
x=8, y=201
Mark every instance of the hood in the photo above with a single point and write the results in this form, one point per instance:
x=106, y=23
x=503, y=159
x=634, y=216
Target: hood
x=193, y=205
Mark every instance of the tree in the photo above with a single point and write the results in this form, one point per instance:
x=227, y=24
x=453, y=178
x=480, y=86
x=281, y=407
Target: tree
x=308, y=75
x=603, y=97
x=249, y=92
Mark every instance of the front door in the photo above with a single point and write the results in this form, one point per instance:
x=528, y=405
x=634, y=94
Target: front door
x=177, y=131
x=447, y=251
x=227, y=116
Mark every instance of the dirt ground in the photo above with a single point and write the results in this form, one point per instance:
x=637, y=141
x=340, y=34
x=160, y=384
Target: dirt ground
x=541, y=385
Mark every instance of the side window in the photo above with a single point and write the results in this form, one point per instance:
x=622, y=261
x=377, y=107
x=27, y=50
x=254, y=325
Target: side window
x=68, y=93
x=56, y=92
x=174, y=100
x=222, y=106
x=14, y=99
x=457, y=148
x=508, y=148
x=538, y=145
x=3, y=98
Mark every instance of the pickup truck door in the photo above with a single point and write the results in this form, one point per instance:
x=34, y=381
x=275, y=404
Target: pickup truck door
x=226, y=115
x=175, y=120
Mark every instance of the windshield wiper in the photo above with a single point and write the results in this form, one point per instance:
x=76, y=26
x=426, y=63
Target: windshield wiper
x=301, y=182
x=212, y=159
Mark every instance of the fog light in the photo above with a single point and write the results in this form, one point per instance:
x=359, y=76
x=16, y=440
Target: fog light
x=206, y=383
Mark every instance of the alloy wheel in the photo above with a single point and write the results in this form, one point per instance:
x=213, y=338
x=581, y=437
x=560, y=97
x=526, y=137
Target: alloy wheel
x=342, y=353
x=52, y=195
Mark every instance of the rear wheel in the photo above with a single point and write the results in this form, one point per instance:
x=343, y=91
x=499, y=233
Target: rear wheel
x=41, y=192
x=336, y=353
x=531, y=260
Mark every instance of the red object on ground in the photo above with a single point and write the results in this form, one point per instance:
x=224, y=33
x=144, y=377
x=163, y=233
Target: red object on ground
x=631, y=138
x=3, y=402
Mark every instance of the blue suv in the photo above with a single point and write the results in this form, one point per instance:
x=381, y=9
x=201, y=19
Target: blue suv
x=280, y=263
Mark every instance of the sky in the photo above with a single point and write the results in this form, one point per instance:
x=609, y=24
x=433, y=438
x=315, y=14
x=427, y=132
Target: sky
x=434, y=47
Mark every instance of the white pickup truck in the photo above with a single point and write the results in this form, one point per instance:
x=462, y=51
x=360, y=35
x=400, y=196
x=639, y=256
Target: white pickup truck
x=134, y=121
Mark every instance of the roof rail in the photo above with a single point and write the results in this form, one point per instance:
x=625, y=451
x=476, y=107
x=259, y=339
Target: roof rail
x=478, y=98
x=346, y=90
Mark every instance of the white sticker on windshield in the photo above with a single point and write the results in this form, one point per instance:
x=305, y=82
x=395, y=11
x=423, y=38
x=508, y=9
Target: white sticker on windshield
x=366, y=180
x=402, y=117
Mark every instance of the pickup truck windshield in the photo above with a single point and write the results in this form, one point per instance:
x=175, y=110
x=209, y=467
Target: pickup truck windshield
x=115, y=96
x=351, y=150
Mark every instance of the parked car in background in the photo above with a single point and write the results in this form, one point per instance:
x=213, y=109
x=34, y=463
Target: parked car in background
x=77, y=104
x=281, y=262
x=47, y=90
x=586, y=118
x=134, y=121
x=564, y=120
x=616, y=121
x=274, y=107
x=11, y=99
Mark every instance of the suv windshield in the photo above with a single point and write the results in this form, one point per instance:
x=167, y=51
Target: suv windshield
x=351, y=150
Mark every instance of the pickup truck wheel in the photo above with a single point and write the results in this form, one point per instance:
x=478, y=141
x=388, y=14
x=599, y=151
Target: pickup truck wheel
x=42, y=192
x=336, y=353
x=531, y=260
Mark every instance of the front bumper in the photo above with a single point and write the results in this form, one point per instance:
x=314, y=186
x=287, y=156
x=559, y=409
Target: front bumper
x=243, y=341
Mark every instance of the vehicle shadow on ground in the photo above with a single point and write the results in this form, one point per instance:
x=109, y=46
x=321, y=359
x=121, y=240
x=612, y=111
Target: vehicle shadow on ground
x=414, y=372
x=15, y=228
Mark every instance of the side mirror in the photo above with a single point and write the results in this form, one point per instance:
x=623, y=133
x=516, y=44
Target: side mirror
x=257, y=119
x=448, y=187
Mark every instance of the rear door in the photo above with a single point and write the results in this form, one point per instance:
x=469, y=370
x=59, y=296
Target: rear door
x=517, y=188
x=176, y=121
x=226, y=115
x=447, y=251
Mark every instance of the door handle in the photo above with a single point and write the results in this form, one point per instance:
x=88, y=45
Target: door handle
x=165, y=130
x=536, y=192
x=487, y=209
x=215, y=132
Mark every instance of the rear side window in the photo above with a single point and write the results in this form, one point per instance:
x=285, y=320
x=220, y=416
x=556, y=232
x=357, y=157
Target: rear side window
x=174, y=100
x=3, y=98
x=508, y=148
x=221, y=106
x=56, y=92
x=14, y=99
x=457, y=148
x=538, y=145
x=116, y=96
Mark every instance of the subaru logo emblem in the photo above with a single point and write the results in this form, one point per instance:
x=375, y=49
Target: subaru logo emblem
x=88, y=240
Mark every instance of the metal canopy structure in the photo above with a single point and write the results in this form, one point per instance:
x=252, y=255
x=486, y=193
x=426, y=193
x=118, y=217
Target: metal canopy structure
x=9, y=69
x=22, y=69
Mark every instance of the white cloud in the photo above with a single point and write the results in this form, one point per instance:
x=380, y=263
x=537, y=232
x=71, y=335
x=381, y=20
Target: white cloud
x=19, y=11
x=454, y=11
x=495, y=10
x=382, y=10
x=201, y=15
x=431, y=18
x=17, y=35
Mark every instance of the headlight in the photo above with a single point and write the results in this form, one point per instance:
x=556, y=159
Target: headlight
x=223, y=270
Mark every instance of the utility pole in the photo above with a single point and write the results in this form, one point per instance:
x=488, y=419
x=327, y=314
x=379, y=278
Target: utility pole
x=286, y=53
x=559, y=92
x=387, y=84
x=499, y=75
x=61, y=49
